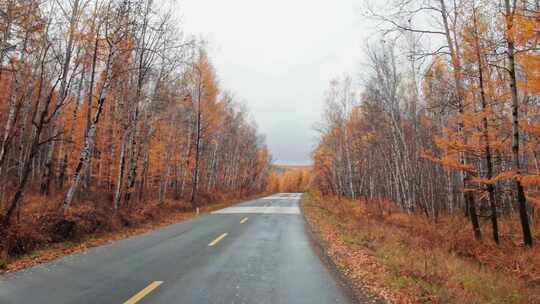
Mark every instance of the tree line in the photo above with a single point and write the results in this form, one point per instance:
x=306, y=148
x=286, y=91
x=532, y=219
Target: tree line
x=109, y=98
x=445, y=120
x=292, y=179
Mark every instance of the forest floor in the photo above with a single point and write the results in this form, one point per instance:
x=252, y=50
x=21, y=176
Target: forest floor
x=96, y=229
x=410, y=259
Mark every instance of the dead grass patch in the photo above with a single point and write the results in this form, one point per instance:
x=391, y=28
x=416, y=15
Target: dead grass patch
x=41, y=234
x=409, y=259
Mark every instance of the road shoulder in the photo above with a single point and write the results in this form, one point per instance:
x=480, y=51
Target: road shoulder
x=359, y=289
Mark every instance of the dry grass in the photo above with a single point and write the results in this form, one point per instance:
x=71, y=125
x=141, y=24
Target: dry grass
x=409, y=259
x=37, y=236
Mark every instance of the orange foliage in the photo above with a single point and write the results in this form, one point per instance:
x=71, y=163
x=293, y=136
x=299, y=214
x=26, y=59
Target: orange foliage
x=290, y=180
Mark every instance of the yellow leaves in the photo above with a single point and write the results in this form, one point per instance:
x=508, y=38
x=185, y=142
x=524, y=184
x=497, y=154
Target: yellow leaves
x=205, y=76
x=529, y=180
x=530, y=83
x=452, y=144
x=436, y=80
x=293, y=179
x=532, y=128
x=525, y=27
x=503, y=176
x=525, y=35
x=449, y=162
x=273, y=182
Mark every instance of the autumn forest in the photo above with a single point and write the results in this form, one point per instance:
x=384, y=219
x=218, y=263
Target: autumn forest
x=425, y=165
x=439, y=142
x=451, y=130
x=107, y=102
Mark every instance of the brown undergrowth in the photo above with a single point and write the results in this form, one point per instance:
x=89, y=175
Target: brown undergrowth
x=42, y=234
x=410, y=259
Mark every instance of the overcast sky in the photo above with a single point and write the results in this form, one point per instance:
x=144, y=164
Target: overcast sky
x=279, y=56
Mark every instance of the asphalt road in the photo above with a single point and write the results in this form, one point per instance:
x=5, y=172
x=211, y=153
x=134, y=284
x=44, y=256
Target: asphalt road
x=254, y=252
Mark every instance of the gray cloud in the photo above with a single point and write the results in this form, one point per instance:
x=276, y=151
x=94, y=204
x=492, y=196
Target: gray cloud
x=279, y=56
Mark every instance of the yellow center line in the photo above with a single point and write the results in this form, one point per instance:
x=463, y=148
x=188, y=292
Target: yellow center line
x=148, y=289
x=244, y=220
x=221, y=237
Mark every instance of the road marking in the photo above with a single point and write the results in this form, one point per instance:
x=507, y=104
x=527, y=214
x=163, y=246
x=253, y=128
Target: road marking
x=148, y=289
x=244, y=220
x=259, y=210
x=283, y=196
x=221, y=237
x=293, y=198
